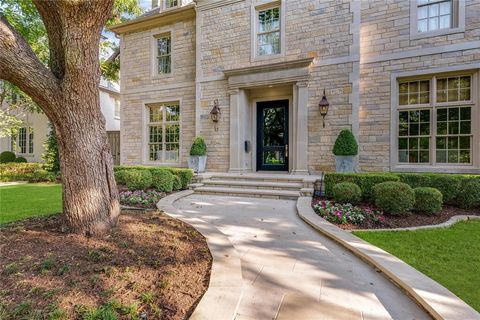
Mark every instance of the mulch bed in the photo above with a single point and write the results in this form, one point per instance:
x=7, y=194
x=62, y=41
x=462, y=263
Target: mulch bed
x=150, y=264
x=405, y=221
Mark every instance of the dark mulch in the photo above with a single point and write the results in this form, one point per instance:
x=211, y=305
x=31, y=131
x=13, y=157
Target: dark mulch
x=150, y=263
x=411, y=220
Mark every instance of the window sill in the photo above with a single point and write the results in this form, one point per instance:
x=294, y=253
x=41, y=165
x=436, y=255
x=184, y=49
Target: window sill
x=435, y=169
x=435, y=33
x=162, y=164
x=267, y=57
x=162, y=76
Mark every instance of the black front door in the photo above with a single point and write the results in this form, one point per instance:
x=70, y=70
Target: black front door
x=272, y=135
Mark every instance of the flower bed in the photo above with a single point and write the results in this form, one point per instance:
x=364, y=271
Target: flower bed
x=347, y=213
x=141, y=198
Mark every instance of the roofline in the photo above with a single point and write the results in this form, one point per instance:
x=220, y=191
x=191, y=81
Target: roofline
x=110, y=90
x=155, y=20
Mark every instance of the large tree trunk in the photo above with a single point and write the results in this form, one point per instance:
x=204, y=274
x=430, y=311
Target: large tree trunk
x=68, y=94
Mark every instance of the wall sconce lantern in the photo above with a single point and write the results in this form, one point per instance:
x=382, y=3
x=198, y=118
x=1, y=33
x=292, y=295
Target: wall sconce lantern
x=323, y=105
x=215, y=114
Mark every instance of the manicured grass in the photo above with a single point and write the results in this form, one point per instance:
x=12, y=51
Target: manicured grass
x=29, y=200
x=449, y=256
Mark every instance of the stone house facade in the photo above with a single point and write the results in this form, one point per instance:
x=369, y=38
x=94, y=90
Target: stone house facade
x=402, y=75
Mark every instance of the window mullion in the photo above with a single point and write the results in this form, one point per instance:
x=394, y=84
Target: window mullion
x=433, y=118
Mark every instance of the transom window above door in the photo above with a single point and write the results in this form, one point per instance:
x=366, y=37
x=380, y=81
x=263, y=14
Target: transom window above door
x=436, y=123
x=268, y=32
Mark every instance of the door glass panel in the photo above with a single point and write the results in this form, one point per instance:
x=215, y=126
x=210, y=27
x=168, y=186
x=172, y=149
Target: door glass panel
x=274, y=126
x=274, y=157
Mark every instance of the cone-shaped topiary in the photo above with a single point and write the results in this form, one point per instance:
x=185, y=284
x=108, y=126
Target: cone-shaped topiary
x=345, y=145
x=199, y=148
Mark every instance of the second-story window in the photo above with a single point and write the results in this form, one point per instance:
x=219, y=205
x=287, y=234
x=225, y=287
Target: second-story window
x=434, y=15
x=171, y=3
x=268, y=31
x=164, y=54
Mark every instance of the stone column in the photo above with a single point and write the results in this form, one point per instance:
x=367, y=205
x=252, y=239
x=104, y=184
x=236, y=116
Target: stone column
x=236, y=131
x=300, y=117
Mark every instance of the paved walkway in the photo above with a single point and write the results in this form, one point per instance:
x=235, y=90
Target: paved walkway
x=292, y=272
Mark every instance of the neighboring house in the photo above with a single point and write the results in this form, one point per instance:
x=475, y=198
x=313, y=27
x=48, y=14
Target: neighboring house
x=30, y=139
x=402, y=75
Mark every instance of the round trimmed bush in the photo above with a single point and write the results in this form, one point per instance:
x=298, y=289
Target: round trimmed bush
x=394, y=198
x=137, y=179
x=177, y=183
x=199, y=148
x=469, y=194
x=428, y=200
x=162, y=180
x=448, y=185
x=7, y=156
x=21, y=160
x=347, y=192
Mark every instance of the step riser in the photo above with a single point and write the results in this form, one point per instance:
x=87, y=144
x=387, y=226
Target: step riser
x=256, y=179
x=246, y=195
x=213, y=184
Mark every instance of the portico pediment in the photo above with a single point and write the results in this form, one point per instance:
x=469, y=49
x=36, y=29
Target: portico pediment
x=269, y=74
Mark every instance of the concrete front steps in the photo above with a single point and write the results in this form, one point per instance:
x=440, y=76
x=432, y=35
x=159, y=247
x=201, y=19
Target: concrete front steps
x=259, y=185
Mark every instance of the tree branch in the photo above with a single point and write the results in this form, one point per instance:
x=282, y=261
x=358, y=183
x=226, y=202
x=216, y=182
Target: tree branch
x=50, y=14
x=20, y=66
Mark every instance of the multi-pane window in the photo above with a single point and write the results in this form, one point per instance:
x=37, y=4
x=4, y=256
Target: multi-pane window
x=164, y=132
x=171, y=3
x=437, y=131
x=268, y=31
x=30, y=140
x=22, y=142
x=434, y=15
x=164, y=54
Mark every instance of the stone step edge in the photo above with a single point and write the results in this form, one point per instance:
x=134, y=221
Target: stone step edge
x=265, y=184
x=249, y=191
x=434, y=298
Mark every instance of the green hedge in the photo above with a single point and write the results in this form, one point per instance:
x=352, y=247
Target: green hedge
x=31, y=172
x=469, y=194
x=185, y=176
x=448, y=184
x=366, y=181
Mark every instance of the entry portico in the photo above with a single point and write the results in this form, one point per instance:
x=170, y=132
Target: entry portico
x=272, y=82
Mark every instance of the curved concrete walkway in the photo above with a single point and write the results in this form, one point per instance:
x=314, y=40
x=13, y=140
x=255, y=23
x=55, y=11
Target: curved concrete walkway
x=290, y=271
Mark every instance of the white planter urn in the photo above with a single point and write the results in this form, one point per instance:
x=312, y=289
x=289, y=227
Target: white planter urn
x=197, y=163
x=345, y=164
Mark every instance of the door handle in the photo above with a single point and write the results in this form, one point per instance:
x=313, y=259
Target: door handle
x=286, y=151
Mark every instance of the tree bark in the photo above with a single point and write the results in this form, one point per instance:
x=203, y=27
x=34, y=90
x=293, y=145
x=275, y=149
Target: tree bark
x=68, y=94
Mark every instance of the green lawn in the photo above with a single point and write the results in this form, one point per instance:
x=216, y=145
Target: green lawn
x=29, y=200
x=450, y=256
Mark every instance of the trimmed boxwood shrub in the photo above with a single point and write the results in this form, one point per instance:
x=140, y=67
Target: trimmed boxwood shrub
x=199, y=148
x=428, y=200
x=415, y=180
x=138, y=179
x=447, y=184
x=347, y=192
x=394, y=198
x=345, y=144
x=177, y=183
x=21, y=160
x=162, y=180
x=185, y=176
x=7, y=156
x=366, y=181
x=469, y=194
